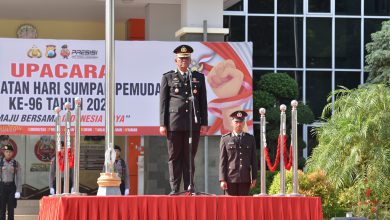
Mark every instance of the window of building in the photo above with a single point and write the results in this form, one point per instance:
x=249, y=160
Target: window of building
x=319, y=6
x=236, y=28
x=377, y=7
x=348, y=7
x=290, y=6
x=262, y=7
x=261, y=33
x=319, y=43
x=289, y=42
x=318, y=88
x=347, y=39
x=351, y=80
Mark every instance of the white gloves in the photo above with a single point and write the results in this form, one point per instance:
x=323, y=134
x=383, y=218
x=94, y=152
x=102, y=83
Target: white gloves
x=126, y=192
x=52, y=191
x=17, y=195
x=72, y=190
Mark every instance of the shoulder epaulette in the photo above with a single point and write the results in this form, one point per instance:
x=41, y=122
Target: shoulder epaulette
x=169, y=72
x=227, y=134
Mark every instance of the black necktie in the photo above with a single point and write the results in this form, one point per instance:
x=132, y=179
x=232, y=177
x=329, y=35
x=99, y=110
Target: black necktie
x=185, y=76
x=239, y=138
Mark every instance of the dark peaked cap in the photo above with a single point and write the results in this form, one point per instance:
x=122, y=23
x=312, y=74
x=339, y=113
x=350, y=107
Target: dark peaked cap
x=183, y=51
x=238, y=115
x=8, y=147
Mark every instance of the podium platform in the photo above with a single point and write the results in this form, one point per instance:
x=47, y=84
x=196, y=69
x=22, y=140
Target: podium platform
x=180, y=207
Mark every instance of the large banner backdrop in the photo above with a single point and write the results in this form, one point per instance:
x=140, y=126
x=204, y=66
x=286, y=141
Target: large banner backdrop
x=38, y=75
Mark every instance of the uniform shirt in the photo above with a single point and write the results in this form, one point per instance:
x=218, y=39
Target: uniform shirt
x=123, y=172
x=8, y=173
x=182, y=73
x=238, y=162
x=174, y=103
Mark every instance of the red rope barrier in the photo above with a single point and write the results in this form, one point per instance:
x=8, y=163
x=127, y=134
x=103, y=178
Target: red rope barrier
x=288, y=164
x=271, y=167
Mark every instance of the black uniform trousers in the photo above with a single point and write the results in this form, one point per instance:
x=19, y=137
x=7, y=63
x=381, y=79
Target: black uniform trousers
x=238, y=189
x=122, y=187
x=179, y=157
x=7, y=200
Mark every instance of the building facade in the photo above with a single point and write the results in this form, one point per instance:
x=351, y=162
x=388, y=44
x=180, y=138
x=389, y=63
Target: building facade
x=321, y=43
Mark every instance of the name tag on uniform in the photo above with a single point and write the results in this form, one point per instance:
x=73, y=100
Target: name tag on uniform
x=231, y=143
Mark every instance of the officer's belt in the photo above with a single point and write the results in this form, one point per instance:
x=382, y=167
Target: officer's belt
x=7, y=183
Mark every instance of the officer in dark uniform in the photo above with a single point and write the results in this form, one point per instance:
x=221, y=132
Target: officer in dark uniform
x=52, y=173
x=237, y=165
x=10, y=183
x=175, y=115
x=122, y=170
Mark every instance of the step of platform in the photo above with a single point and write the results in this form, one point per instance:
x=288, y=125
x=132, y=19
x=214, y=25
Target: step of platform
x=26, y=217
x=27, y=207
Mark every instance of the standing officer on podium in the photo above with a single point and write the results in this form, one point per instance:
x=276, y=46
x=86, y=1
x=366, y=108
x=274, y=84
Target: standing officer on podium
x=237, y=164
x=175, y=115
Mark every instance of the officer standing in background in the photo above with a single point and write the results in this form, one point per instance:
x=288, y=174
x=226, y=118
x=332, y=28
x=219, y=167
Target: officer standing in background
x=4, y=140
x=237, y=164
x=122, y=170
x=175, y=116
x=10, y=182
x=52, y=173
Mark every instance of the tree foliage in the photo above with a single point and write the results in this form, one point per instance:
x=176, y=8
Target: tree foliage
x=281, y=85
x=378, y=55
x=354, y=144
x=310, y=184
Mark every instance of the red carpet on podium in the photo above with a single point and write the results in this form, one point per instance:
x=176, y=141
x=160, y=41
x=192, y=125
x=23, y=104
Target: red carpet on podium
x=180, y=207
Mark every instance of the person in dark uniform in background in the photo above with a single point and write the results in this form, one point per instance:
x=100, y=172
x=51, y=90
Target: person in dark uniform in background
x=175, y=116
x=52, y=173
x=237, y=164
x=4, y=140
x=120, y=167
x=10, y=183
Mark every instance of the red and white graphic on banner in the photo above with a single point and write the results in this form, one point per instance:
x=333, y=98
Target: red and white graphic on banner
x=37, y=75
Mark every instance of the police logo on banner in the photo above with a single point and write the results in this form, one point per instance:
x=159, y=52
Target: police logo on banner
x=45, y=149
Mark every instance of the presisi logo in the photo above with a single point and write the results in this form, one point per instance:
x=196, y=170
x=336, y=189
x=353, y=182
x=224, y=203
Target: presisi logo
x=65, y=51
x=34, y=52
x=85, y=54
x=51, y=51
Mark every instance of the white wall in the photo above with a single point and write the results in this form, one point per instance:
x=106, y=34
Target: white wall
x=162, y=21
x=195, y=11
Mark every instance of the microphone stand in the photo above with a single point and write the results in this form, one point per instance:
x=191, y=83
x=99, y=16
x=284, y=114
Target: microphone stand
x=192, y=112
